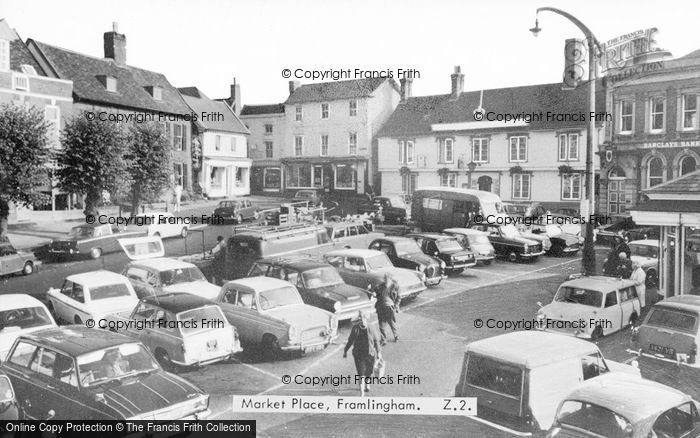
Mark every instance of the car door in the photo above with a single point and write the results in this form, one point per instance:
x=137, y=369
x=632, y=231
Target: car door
x=137, y=278
x=250, y=210
x=60, y=300
x=611, y=314
x=10, y=260
x=163, y=333
x=75, y=302
x=142, y=315
x=241, y=310
x=629, y=304
x=55, y=373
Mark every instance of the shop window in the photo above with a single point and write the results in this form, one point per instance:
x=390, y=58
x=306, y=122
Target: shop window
x=344, y=177
x=299, y=175
x=271, y=178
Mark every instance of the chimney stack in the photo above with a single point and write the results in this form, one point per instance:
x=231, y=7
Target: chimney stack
x=293, y=85
x=115, y=45
x=236, y=102
x=406, y=88
x=457, y=82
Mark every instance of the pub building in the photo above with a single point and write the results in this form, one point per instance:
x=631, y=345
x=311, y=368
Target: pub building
x=655, y=133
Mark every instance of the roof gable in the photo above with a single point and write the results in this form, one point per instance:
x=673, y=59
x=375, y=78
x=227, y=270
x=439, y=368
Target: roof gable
x=200, y=104
x=19, y=53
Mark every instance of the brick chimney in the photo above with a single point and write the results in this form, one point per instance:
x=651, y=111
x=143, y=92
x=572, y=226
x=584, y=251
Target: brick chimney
x=293, y=85
x=236, y=102
x=115, y=45
x=457, y=82
x=406, y=89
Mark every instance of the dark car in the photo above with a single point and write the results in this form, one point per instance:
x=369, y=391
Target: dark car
x=562, y=243
x=236, y=210
x=9, y=407
x=78, y=373
x=508, y=242
x=311, y=196
x=613, y=234
x=446, y=248
x=319, y=285
x=405, y=253
x=92, y=240
x=393, y=209
x=14, y=262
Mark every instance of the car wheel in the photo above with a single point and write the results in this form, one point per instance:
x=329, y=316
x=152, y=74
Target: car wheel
x=652, y=279
x=633, y=320
x=271, y=348
x=77, y=320
x=28, y=268
x=95, y=253
x=597, y=333
x=164, y=359
x=512, y=257
x=487, y=262
x=239, y=219
x=457, y=271
x=183, y=232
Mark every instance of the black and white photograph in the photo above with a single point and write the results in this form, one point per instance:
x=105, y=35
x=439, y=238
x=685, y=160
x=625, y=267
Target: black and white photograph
x=350, y=218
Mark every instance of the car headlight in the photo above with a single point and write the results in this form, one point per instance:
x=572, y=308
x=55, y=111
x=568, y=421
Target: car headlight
x=202, y=403
x=442, y=264
x=421, y=267
x=293, y=333
x=337, y=306
x=334, y=325
x=541, y=316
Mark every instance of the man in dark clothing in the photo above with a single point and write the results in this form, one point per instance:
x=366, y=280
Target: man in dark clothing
x=624, y=266
x=219, y=262
x=366, y=349
x=387, y=307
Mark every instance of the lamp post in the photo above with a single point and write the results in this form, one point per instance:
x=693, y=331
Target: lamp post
x=593, y=52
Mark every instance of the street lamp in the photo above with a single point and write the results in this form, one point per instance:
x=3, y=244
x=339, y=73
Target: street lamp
x=594, y=52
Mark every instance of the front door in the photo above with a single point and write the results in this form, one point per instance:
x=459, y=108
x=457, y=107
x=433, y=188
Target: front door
x=485, y=183
x=616, y=196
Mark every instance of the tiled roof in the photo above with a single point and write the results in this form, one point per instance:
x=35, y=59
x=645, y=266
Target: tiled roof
x=19, y=53
x=669, y=206
x=688, y=183
x=417, y=114
x=200, y=103
x=83, y=70
x=337, y=90
x=255, y=110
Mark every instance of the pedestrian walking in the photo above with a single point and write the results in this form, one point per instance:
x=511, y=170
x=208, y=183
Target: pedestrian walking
x=640, y=277
x=366, y=349
x=178, y=197
x=387, y=307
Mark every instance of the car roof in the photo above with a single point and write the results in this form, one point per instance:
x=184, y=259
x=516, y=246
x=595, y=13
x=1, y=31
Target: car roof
x=632, y=397
x=532, y=349
x=298, y=264
x=86, y=225
x=480, y=193
x=260, y=283
x=355, y=252
x=433, y=236
x=681, y=302
x=464, y=231
x=97, y=278
x=161, y=263
x=75, y=340
x=177, y=302
x=645, y=242
x=18, y=301
x=394, y=238
x=599, y=282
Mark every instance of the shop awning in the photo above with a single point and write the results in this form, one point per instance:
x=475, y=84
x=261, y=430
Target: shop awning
x=667, y=212
x=324, y=160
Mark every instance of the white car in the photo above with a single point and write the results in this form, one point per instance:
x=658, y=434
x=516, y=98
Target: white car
x=21, y=314
x=91, y=295
x=152, y=274
x=162, y=224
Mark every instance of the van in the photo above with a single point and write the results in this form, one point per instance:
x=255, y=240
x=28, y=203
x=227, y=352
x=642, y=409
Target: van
x=519, y=378
x=437, y=208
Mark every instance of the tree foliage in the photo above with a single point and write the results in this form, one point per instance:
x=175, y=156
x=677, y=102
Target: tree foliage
x=149, y=162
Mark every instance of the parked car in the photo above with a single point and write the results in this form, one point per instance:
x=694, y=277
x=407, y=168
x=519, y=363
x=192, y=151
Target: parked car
x=520, y=378
x=613, y=234
x=591, y=307
x=78, y=373
x=514, y=210
x=475, y=241
x=540, y=238
x=366, y=268
x=162, y=224
x=404, y=252
x=646, y=253
x=20, y=314
x=312, y=197
x=9, y=406
x=350, y=233
x=152, y=274
x=319, y=285
x=92, y=240
x=91, y=295
x=179, y=329
x=236, y=210
x=445, y=248
x=562, y=243
x=508, y=242
x=15, y=262
x=271, y=313
x=393, y=209
x=671, y=331
x=570, y=224
x=619, y=407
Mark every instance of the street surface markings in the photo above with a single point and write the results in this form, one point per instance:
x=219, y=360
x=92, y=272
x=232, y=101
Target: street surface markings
x=317, y=362
x=260, y=370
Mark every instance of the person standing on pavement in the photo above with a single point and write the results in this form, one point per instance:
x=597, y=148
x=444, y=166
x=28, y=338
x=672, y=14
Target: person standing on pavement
x=366, y=349
x=640, y=277
x=219, y=263
x=387, y=307
x=178, y=197
x=624, y=266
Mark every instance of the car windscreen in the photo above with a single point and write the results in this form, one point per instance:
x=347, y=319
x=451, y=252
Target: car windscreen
x=495, y=376
x=407, y=246
x=24, y=318
x=379, y=261
x=644, y=250
x=280, y=297
x=448, y=245
x=673, y=319
x=200, y=320
x=593, y=418
x=677, y=422
x=112, y=363
x=578, y=295
x=181, y=275
x=80, y=232
x=109, y=291
x=321, y=277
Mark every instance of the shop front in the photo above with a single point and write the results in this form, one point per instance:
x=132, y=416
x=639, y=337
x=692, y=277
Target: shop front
x=226, y=178
x=674, y=206
x=332, y=175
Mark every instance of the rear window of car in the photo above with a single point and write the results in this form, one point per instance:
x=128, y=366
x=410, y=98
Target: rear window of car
x=202, y=319
x=109, y=291
x=673, y=319
x=492, y=375
x=27, y=317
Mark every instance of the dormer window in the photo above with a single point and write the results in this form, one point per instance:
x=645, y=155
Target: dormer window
x=28, y=70
x=4, y=55
x=155, y=91
x=109, y=82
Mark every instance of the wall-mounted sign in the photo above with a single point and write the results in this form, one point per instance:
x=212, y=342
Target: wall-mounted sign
x=672, y=144
x=630, y=49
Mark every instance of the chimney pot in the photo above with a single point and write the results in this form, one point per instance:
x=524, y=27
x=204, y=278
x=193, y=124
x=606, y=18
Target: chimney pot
x=406, y=88
x=457, y=82
x=236, y=102
x=293, y=85
x=115, y=45
x=115, y=27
